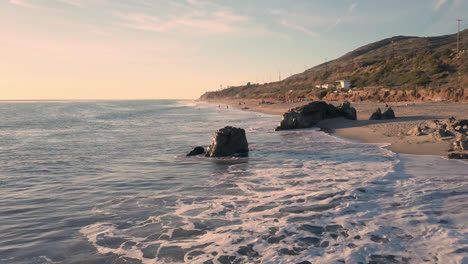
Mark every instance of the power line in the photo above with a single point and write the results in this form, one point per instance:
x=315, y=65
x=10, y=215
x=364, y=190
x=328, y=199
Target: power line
x=458, y=36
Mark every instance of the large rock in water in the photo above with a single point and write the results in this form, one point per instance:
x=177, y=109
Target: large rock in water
x=309, y=115
x=228, y=141
x=196, y=151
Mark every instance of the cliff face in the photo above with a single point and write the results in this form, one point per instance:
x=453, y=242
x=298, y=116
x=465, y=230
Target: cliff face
x=388, y=95
x=394, y=69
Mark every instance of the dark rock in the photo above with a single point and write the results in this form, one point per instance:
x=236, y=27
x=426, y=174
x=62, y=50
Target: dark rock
x=388, y=114
x=309, y=115
x=458, y=155
x=460, y=145
x=347, y=111
x=228, y=141
x=305, y=262
x=196, y=151
x=304, y=116
x=377, y=115
x=442, y=132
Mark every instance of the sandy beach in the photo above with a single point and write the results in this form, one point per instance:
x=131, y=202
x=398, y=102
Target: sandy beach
x=393, y=132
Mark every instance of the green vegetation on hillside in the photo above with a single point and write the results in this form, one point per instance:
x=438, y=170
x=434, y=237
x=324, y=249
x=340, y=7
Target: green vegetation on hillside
x=397, y=63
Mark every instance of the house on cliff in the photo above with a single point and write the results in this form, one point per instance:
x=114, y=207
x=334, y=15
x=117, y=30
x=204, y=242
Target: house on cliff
x=344, y=84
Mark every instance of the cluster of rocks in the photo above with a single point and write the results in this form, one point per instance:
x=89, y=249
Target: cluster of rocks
x=227, y=141
x=387, y=114
x=309, y=115
x=453, y=130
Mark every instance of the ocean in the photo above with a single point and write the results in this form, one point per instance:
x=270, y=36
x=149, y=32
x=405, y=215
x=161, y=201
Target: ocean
x=108, y=182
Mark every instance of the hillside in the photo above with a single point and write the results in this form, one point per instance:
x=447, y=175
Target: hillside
x=394, y=69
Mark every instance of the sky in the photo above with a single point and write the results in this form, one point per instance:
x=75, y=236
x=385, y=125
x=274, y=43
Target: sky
x=179, y=49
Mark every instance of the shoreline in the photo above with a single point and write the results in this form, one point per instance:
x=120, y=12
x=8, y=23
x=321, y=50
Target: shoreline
x=392, y=132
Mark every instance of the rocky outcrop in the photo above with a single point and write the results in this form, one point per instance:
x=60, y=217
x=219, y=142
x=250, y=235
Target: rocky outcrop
x=415, y=131
x=460, y=145
x=309, y=115
x=458, y=156
x=388, y=114
x=347, y=111
x=196, y=151
x=451, y=130
x=378, y=115
x=228, y=141
x=442, y=129
x=387, y=95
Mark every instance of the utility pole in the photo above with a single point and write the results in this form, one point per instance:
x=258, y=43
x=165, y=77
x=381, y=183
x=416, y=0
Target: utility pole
x=279, y=75
x=458, y=36
x=393, y=50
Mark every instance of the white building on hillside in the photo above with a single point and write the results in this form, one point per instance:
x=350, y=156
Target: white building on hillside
x=344, y=84
x=325, y=86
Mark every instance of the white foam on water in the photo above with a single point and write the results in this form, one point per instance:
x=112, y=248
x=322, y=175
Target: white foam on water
x=311, y=197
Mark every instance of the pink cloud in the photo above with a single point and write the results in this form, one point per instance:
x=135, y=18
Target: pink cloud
x=21, y=3
x=226, y=15
x=152, y=23
x=299, y=28
x=71, y=2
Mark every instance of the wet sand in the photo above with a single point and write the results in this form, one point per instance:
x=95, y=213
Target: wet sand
x=393, y=132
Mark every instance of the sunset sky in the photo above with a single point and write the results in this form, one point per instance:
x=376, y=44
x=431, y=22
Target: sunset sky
x=142, y=49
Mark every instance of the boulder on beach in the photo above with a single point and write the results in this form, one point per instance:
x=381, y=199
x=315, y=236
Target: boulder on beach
x=461, y=143
x=415, y=131
x=460, y=155
x=310, y=114
x=377, y=115
x=196, y=151
x=228, y=141
x=347, y=111
x=388, y=114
